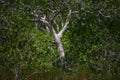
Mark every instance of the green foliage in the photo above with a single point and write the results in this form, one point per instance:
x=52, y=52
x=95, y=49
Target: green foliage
x=91, y=44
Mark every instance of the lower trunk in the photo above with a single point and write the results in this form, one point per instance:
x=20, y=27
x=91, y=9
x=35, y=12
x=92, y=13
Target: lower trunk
x=60, y=49
x=63, y=64
x=61, y=53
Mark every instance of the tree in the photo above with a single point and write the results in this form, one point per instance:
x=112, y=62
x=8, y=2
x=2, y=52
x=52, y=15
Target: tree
x=49, y=22
x=91, y=45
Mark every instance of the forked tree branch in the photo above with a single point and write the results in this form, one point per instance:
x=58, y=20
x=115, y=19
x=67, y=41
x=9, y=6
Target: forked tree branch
x=58, y=36
x=43, y=19
x=66, y=25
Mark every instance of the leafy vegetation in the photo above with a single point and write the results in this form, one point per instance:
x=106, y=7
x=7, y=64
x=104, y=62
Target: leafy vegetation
x=91, y=43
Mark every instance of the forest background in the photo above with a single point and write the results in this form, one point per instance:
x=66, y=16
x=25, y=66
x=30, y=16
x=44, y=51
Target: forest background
x=91, y=42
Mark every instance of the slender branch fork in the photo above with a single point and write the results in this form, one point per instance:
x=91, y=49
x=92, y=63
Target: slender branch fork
x=66, y=25
x=49, y=23
x=57, y=36
x=43, y=19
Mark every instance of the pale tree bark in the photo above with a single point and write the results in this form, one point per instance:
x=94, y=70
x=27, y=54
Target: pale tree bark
x=51, y=22
x=83, y=4
x=57, y=36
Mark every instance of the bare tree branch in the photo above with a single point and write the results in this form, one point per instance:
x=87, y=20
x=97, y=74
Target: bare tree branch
x=66, y=25
x=54, y=15
x=57, y=37
x=104, y=15
x=56, y=12
x=43, y=19
x=56, y=25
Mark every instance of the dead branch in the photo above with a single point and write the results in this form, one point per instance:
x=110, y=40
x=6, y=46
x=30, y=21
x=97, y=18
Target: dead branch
x=66, y=25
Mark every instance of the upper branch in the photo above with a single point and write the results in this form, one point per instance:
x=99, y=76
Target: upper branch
x=43, y=19
x=57, y=12
x=66, y=25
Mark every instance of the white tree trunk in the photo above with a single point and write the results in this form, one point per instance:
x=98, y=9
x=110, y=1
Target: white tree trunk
x=60, y=50
x=57, y=36
x=59, y=46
